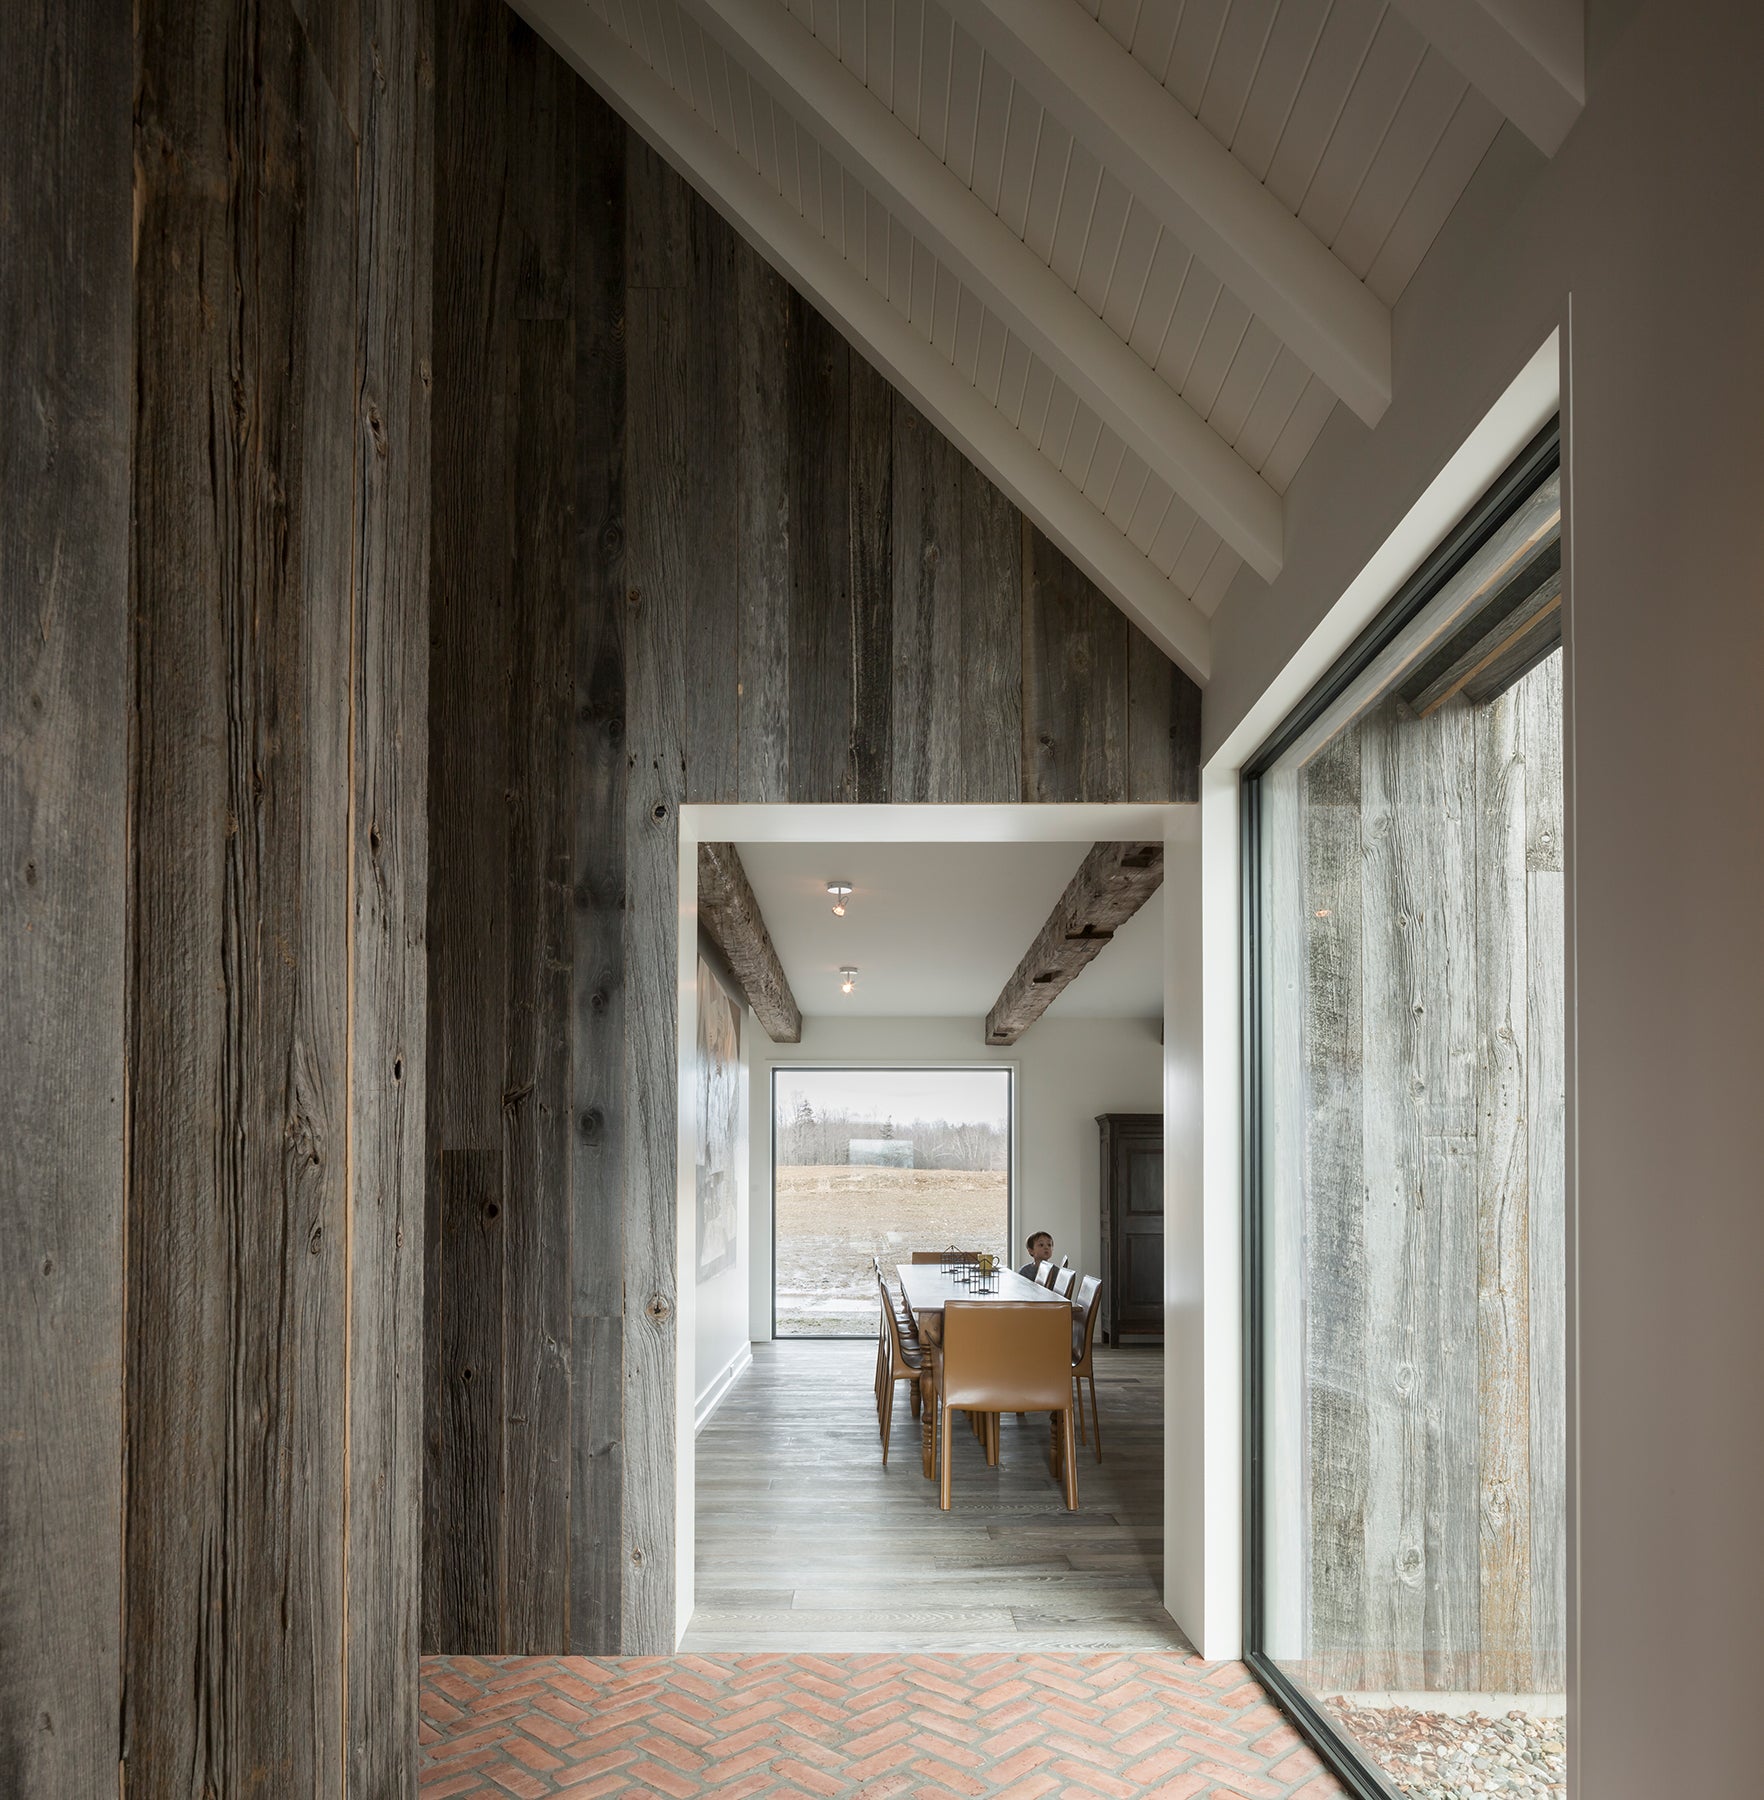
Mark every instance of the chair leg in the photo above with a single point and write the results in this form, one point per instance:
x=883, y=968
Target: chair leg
x=992, y=1440
x=943, y=1490
x=913, y=1389
x=1078, y=1396
x=1070, y=1447
x=1095, y=1417
x=887, y=1418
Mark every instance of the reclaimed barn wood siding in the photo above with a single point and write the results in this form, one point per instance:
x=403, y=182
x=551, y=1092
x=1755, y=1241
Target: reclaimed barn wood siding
x=66, y=81
x=1432, y=1031
x=724, y=561
x=276, y=909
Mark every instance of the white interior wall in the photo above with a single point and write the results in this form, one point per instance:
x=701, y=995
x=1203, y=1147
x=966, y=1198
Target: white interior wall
x=1642, y=240
x=1067, y=1072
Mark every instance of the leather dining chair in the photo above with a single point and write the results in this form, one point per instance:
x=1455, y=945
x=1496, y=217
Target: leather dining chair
x=1084, y=1316
x=1006, y=1356
x=903, y=1364
x=1044, y=1274
x=1065, y=1279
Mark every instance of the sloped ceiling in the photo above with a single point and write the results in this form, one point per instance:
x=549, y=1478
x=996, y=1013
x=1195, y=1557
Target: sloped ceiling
x=1128, y=254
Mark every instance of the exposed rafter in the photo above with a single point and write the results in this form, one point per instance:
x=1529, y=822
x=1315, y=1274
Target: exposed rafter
x=1113, y=882
x=1194, y=186
x=1527, y=57
x=787, y=59
x=730, y=913
x=816, y=268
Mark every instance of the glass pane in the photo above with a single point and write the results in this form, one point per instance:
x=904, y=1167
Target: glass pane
x=879, y=1163
x=1412, y=1403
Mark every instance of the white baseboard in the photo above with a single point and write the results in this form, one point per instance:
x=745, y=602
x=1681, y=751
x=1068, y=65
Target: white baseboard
x=720, y=1384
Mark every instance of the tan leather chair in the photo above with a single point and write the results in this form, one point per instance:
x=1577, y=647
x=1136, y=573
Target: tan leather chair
x=1065, y=1279
x=1006, y=1356
x=1084, y=1316
x=1044, y=1274
x=903, y=1364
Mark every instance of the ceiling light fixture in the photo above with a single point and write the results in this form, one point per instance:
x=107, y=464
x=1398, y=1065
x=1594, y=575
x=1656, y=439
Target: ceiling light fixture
x=839, y=890
x=848, y=979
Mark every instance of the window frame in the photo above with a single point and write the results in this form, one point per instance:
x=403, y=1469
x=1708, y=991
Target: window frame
x=889, y=1066
x=1535, y=464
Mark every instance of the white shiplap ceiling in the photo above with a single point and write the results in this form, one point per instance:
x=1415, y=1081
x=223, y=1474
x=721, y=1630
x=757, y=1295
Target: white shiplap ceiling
x=1128, y=254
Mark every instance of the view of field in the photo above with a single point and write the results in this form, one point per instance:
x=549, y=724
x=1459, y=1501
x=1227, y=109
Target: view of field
x=832, y=1218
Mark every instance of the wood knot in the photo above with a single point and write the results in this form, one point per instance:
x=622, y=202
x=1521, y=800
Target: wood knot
x=636, y=1557
x=659, y=1308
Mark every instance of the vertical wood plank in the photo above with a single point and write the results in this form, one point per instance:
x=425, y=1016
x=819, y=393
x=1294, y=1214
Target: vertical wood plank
x=1335, y=1129
x=929, y=603
x=992, y=766
x=1503, y=1286
x=821, y=646
x=710, y=600
x=765, y=371
x=1076, y=696
x=471, y=570
x=598, y=1005
x=1151, y=723
x=244, y=539
x=659, y=492
x=394, y=252
x=66, y=83
x=871, y=582
x=535, y=1097
x=1539, y=698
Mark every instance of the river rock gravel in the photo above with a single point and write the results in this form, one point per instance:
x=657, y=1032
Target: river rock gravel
x=1447, y=1756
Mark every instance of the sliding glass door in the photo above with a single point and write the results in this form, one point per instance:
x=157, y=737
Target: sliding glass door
x=874, y=1164
x=1408, y=1471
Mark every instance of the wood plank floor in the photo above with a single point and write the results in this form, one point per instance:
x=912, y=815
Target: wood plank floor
x=805, y=1542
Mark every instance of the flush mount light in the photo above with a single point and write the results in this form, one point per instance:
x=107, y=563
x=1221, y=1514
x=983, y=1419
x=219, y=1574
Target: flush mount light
x=839, y=892
x=847, y=979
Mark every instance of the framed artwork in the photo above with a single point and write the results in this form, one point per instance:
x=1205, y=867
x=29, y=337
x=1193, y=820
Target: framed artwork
x=719, y=1122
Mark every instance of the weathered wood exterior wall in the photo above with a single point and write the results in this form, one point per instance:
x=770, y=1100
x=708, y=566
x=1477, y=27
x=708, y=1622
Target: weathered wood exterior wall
x=65, y=87
x=688, y=546
x=1432, y=1061
x=278, y=584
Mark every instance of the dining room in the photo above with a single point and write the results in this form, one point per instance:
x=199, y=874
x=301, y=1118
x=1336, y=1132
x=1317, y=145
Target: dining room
x=944, y=1174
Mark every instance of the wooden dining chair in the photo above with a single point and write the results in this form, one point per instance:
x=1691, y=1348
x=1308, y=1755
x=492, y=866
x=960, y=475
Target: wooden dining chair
x=1084, y=1317
x=1005, y=1356
x=903, y=1364
x=1064, y=1280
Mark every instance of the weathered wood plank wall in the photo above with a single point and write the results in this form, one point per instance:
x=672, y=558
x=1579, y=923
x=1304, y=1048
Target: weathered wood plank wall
x=1432, y=1051
x=785, y=586
x=278, y=832
x=65, y=92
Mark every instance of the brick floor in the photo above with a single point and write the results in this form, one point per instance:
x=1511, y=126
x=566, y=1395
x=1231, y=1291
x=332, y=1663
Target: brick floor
x=978, y=1727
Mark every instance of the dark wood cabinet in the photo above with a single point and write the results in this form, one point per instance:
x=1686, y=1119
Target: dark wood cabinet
x=1132, y=1227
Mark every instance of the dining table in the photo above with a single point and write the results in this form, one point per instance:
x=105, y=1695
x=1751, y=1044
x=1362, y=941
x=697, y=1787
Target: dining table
x=928, y=1289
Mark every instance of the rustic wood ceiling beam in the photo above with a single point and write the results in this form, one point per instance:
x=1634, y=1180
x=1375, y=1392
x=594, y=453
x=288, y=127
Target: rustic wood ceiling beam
x=1113, y=882
x=1152, y=419
x=1190, y=183
x=664, y=118
x=1527, y=57
x=729, y=912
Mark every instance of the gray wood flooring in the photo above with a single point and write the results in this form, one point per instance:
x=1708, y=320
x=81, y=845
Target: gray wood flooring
x=805, y=1542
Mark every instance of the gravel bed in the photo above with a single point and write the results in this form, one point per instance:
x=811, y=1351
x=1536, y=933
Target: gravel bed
x=1445, y=1756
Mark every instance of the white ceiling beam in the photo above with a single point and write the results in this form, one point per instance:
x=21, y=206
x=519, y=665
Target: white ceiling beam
x=1527, y=57
x=1196, y=188
x=780, y=234
x=808, y=81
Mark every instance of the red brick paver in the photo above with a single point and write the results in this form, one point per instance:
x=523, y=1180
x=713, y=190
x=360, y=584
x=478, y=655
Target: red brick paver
x=758, y=1727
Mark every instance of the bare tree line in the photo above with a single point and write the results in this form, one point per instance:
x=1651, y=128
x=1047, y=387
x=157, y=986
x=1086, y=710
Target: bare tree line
x=806, y=1138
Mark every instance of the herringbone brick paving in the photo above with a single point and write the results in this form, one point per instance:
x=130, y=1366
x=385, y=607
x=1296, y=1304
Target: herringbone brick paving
x=768, y=1727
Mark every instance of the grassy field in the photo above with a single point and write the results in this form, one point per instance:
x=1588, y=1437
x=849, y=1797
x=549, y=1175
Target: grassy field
x=831, y=1221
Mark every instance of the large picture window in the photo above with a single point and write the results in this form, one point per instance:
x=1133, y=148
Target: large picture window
x=1408, y=1469
x=877, y=1163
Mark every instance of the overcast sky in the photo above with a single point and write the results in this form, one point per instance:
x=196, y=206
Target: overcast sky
x=963, y=1096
